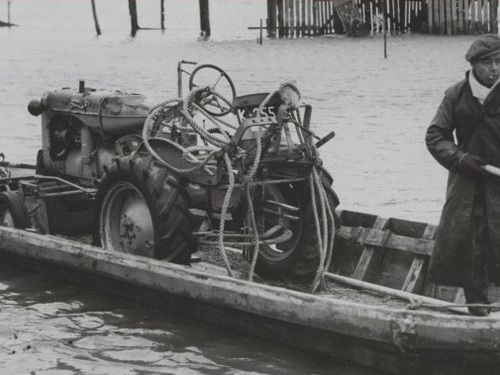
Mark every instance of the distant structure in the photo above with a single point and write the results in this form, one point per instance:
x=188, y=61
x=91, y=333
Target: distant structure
x=303, y=18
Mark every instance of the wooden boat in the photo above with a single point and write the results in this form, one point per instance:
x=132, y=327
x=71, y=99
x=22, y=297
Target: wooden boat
x=371, y=310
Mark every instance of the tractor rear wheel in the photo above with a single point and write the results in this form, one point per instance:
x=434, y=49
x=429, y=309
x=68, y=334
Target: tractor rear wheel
x=142, y=209
x=296, y=259
x=13, y=213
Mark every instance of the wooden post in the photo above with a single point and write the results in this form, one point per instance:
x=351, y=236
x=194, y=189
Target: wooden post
x=494, y=16
x=281, y=26
x=94, y=13
x=466, y=16
x=338, y=28
x=436, y=17
x=8, y=13
x=296, y=4
x=303, y=13
x=460, y=19
x=403, y=15
x=309, y=18
x=315, y=17
x=271, y=18
x=286, y=14
x=162, y=14
x=472, y=29
x=204, y=19
x=449, y=16
x=385, y=37
x=260, y=31
x=132, y=6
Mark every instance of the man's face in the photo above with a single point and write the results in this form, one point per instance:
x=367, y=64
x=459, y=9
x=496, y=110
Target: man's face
x=487, y=69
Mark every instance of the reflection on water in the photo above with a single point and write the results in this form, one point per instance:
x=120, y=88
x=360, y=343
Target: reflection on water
x=379, y=109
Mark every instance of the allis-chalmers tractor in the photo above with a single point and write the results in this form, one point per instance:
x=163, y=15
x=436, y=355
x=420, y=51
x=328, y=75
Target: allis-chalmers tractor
x=237, y=172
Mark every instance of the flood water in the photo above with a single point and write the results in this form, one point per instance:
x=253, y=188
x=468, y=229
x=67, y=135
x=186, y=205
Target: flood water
x=379, y=109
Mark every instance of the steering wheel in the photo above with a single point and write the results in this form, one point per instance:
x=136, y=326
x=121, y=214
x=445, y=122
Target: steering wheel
x=217, y=100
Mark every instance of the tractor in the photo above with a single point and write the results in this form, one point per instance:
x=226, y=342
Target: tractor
x=209, y=167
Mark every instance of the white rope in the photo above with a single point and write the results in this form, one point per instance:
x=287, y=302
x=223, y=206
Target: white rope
x=255, y=231
x=225, y=205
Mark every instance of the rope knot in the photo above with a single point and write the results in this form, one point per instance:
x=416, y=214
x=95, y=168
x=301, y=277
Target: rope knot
x=289, y=93
x=414, y=305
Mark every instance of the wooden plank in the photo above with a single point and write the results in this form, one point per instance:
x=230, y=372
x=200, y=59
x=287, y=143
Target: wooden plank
x=480, y=15
x=473, y=15
x=461, y=20
x=394, y=292
x=437, y=17
x=367, y=257
x=397, y=16
x=416, y=274
x=454, y=17
x=466, y=16
x=291, y=11
x=327, y=17
x=459, y=296
x=309, y=6
x=381, y=238
x=371, y=18
x=392, y=27
x=281, y=18
x=315, y=16
x=449, y=16
x=286, y=10
x=494, y=16
x=297, y=18
x=303, y=13
x=322, y=17
x=442, y=13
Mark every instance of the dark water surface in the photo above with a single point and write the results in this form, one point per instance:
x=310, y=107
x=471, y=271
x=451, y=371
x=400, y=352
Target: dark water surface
x=50, y=327
x=379, y=109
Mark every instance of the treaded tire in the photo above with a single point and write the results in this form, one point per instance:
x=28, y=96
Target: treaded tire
x=300, y=256
x=13, y=212
x=166, y=199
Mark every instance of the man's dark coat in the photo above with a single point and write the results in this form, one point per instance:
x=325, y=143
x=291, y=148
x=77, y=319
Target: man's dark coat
x=477, y=129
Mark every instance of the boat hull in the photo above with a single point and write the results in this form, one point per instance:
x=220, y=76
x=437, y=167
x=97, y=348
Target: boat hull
x=399, y=341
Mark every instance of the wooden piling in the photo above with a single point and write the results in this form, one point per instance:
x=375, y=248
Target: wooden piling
x=204, y=19
x=132, y=6
x=162, y=15
x=94, y=14
x=8, y=13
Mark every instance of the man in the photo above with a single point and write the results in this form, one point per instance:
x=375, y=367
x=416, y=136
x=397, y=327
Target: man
x=467, y=246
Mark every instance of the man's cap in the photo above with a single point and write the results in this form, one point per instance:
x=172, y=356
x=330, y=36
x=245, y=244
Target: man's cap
x=482, y=47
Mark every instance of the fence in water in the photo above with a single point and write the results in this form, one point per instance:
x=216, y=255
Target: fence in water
x=302, y=18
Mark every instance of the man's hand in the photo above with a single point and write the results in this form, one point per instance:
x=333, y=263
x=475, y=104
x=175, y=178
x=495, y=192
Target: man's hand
x=472, y=166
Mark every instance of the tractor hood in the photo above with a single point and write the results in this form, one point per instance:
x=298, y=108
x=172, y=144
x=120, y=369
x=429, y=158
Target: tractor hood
x=111, y=112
